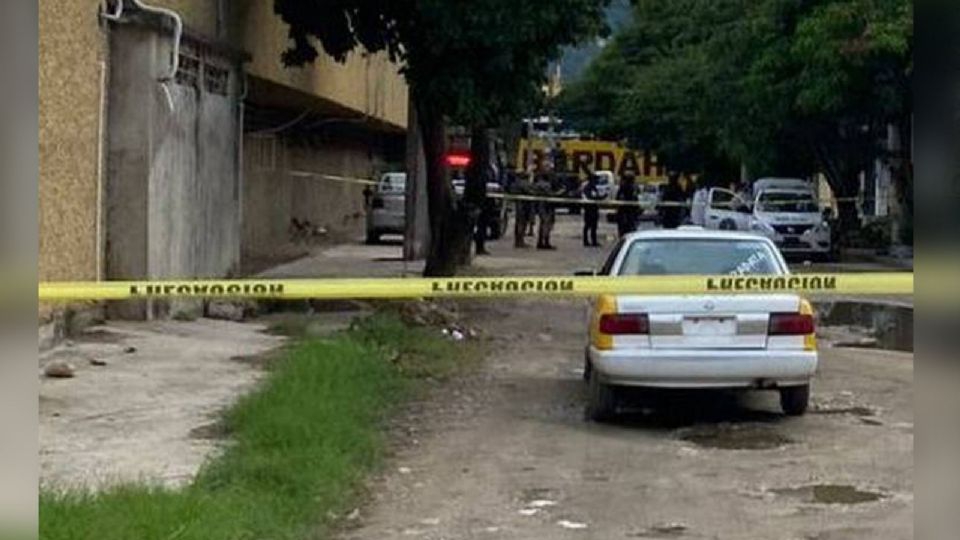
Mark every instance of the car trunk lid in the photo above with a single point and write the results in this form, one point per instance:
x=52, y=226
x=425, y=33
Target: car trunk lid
x=708, y=322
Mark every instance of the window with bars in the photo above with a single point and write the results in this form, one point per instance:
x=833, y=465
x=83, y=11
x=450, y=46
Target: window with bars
x=215, y=79
x=188, y=73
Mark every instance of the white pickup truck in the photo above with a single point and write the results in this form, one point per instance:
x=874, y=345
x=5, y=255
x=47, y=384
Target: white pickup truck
x=784, y=210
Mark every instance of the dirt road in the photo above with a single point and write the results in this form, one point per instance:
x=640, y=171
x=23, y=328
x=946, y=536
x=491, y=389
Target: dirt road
x=506, y=453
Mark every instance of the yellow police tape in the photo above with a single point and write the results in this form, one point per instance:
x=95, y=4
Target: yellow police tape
x=871, y=283
x=520, y=197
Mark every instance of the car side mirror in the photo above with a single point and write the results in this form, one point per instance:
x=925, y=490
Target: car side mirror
x=584, y=273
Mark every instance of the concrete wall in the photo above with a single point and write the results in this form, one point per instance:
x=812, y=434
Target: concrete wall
x=276, y=190
x=172, y=197
x=73, y=57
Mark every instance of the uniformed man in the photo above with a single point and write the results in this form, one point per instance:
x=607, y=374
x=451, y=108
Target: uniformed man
x=591, y=211
x=671, y=215
x=629, y=213
x=519, y=185
x=546, y=210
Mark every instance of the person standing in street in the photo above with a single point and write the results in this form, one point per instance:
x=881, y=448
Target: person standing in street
x=671, y=214
x=627, y=214
x=485, y=218
x=591, y=212
x=546, y=211
x=519, y=185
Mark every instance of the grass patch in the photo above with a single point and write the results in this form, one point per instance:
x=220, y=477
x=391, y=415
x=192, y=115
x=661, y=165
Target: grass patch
x=301, y=445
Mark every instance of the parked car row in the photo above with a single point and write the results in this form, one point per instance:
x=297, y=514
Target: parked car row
x=387, y=207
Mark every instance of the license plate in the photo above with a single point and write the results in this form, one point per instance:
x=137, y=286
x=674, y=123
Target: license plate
x=709, y=326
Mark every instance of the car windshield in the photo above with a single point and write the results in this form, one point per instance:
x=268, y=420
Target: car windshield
x=393, y=183
x=698, y=256
x=787, y=201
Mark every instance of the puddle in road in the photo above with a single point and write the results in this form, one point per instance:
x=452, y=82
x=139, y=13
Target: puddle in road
x=830, y=494
x=736, y=437
x=534, y=494
x=663, y=530
x=889, y=326
x=854, y=411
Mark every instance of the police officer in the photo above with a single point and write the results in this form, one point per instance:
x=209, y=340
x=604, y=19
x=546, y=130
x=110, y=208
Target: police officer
x=671, y=214
x=627, y=214
x=519, y=185
x=546, y=211
x=591, y=212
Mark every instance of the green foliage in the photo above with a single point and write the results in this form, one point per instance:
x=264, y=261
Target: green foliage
x=783, y=86
x=300, y=446
x=475, y=61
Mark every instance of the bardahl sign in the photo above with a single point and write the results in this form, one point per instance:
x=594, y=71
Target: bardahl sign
x=585, y=157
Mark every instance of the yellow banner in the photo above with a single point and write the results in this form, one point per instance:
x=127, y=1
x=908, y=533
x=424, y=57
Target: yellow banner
x=481, y=287
x=585, y=157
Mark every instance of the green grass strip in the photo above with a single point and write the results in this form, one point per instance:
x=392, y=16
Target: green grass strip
x=300, y=447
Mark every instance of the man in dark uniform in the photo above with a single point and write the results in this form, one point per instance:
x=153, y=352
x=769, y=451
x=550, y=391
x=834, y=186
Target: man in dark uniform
x=671, y=214
x=629, y=213
x=546, y=210
x=519, y=185
x=591, y=212
x=487, y=211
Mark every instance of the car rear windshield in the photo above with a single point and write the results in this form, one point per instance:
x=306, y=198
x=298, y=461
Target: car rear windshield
x=785, y=201
x=698, y=256
x=393, y=184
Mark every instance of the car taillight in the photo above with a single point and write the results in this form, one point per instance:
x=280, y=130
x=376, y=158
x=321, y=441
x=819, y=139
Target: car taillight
x=624, y=323
x=377, y=202
x=790, y=324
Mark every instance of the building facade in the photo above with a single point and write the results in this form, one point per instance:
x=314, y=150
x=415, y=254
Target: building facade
x=175, y=144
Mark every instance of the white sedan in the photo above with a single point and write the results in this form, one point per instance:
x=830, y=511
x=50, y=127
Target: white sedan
x=759, y=341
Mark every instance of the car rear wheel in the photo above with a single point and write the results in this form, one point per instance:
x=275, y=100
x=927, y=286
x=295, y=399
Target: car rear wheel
x=795, y=399
x=602, y=399
x=373, y=237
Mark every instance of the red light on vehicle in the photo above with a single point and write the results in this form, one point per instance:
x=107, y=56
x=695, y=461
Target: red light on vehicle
x=790, y=324
x=458, y=160
x=624, y=323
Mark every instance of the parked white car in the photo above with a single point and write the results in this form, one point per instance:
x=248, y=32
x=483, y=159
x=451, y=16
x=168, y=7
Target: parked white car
x=606, y=184
x=746, y=341
x=387, y=211
x=649, y=195
x=784, y=210
x=793, y=220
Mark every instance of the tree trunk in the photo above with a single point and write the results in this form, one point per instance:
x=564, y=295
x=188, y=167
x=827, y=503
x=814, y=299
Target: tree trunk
x=416, y=237
x=903, y=181
x=440, y=259
x=842, y=173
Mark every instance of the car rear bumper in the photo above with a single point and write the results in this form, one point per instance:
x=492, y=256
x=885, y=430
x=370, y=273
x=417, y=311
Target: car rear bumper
x=386, y=221
x=692, y=368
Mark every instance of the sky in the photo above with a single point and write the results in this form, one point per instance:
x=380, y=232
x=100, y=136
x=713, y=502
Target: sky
x=575, y=60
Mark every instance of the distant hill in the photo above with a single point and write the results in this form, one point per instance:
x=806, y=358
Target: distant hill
x=575, y=60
